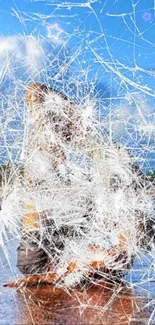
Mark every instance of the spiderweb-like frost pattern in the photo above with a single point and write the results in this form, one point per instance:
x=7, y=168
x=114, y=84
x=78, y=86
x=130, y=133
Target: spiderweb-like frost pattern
x=97, y=193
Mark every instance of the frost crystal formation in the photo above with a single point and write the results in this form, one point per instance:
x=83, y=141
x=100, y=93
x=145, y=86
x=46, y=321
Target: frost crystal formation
x=82, y=193
x=77, y=139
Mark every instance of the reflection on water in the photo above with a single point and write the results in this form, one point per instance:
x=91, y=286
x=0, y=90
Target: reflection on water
x=107, y=305
x=88, y=305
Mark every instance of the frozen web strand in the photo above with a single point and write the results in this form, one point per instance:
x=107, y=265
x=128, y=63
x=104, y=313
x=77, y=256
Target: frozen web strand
x=117, y=193
x=85, y=191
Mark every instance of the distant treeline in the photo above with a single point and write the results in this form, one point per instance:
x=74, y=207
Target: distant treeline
x=9, y=171
x=151, y=175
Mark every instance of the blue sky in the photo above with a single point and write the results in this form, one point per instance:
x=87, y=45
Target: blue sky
x=99, y=17
x=114, y=29
x=112, y=41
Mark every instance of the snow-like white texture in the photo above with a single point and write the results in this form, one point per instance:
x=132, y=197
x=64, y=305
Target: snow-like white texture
x=85, y=189
x=11, y=212
x=91, y=201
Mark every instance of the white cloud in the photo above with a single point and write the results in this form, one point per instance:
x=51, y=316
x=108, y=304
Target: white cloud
x=132, y=123
x=134, y=118
x=26, y=58
x=25, y=53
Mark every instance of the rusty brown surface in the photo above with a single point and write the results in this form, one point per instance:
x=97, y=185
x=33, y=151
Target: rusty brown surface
x=130, y=304
x=102, y=304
